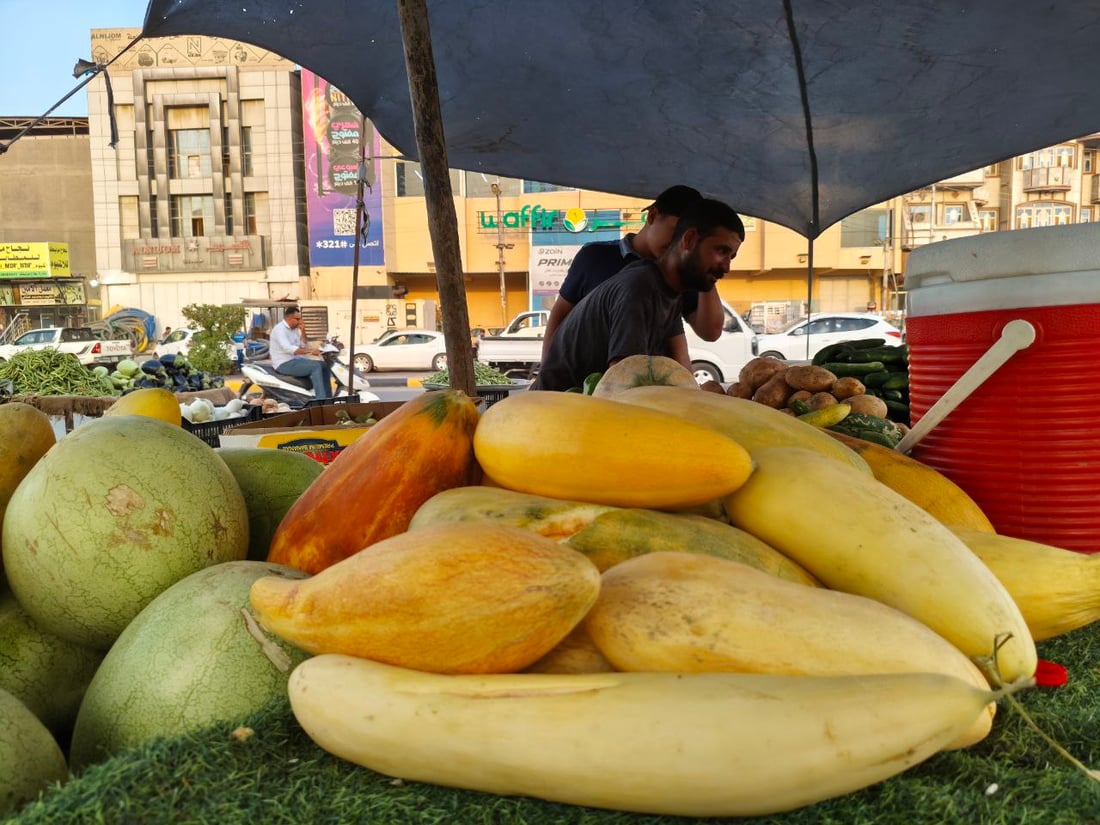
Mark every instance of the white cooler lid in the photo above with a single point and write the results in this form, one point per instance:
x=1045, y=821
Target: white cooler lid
x=1049, y=266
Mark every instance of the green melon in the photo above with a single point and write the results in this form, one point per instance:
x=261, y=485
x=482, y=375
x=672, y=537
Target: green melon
x=190, y=659
x=116, y=512
x=46, y=673
x=271, y=481
x=30, y=759
x=25, y=436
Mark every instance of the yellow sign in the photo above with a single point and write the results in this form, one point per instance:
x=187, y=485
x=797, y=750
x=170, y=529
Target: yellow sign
x=49, y=294
x=59, y=260
x=34, y=260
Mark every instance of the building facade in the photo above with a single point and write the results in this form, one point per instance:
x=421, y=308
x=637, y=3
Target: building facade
x=201, y=200
x=47, y=237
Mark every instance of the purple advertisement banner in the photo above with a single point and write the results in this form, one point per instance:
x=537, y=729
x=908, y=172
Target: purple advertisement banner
x=330, y=142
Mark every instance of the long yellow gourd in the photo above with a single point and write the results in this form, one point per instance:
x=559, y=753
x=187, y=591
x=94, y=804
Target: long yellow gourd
x=857, y=535
x=681, y=612
x=606, y=535
x=754, y=426
x=566, y=445
x=1057, y=590
x=921, y=484
x=700, y=744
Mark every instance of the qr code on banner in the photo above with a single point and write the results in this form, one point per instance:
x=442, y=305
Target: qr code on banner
x=343, y=221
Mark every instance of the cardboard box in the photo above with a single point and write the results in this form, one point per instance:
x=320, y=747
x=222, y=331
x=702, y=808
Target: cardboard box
x=314, y=431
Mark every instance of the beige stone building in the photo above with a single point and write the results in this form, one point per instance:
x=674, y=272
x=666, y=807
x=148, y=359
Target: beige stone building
x=200, y=200
x=45, y=200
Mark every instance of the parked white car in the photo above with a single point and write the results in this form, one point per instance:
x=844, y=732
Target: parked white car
x=804, y=338
x=177, y=342
x=403, y=349
x=721, y=360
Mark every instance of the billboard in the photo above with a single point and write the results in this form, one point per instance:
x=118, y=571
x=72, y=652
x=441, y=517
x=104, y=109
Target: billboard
x=34, y=260
x=330, y=140
x=556, y=237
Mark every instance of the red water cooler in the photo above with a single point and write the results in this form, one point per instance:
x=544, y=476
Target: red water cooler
x=1026, y=444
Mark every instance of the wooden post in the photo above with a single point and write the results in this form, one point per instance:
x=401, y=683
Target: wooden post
x=442, y=221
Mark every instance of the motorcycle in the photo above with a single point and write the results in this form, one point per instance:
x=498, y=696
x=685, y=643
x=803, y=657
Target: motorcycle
x=298, y=392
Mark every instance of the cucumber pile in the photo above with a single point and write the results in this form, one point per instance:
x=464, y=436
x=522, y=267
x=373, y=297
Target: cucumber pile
x=883, y=370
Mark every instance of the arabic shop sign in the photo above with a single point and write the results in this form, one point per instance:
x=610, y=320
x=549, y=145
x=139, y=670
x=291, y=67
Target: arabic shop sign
x=34, y=260
x=539, y=219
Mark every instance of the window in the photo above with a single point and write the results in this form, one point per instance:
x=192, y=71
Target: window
x=533, y=187
x=988, y=220
x=246, y=150
x=1086, y=215
x=1086, y=160
x=853, y=324
x=189, y=153
x=228, y=213
x=480, y=185
x=225, y=152
x=1043, y=214
x=952, y=213
x=154, y=221
x=150, y=157
x=410, y=180
x=865, y=228
x=1053, y=156
x=250, y=214
x=192, y=215
x=992, y=170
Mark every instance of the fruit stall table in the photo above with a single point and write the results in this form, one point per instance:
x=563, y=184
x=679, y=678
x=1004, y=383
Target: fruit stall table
x=68, y=411
x=265, y=769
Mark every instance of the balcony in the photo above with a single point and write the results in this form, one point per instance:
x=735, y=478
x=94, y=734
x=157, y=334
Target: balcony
x=967, y=180
x=1049, y=179
x=1094, y=189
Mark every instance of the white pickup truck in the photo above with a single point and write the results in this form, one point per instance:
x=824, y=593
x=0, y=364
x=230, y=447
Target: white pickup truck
x=82, y=342
x=519, y=347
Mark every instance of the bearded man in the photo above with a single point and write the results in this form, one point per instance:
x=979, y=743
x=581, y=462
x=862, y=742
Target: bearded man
x=639, y=310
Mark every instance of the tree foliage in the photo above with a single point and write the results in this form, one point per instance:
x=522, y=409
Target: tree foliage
x=210, y=346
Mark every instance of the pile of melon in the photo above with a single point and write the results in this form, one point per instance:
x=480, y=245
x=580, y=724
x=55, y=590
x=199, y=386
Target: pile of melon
x=128, y=547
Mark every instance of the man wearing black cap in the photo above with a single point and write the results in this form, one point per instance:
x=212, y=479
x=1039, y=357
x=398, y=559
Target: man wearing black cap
x=598, y=261
x=638, y=311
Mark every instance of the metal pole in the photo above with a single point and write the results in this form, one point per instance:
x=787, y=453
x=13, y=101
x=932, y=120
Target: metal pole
x=359, y=209
x=442, y=221
x=500, y=259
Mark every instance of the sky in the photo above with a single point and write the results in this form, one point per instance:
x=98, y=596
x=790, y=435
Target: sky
x=43, y=39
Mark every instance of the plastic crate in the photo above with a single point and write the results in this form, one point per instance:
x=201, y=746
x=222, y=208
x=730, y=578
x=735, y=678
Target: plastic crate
x=489, y=394
x=210, y=431
x=338, y=399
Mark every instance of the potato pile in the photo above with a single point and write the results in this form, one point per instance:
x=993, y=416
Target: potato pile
x=819, y=397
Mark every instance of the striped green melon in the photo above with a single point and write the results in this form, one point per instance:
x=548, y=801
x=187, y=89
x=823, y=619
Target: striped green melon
x=193, y=657
x=45, y=672
x=116, y=512
x=271, y=481
x=30, y=758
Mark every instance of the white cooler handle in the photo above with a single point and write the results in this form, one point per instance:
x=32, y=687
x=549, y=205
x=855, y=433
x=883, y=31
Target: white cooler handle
x=1016, y=335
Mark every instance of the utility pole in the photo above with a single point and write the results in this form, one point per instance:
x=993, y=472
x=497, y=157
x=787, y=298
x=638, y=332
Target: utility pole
x=501, y=246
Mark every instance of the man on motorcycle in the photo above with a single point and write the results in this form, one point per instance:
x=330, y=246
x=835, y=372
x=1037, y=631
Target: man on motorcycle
x=286, y=346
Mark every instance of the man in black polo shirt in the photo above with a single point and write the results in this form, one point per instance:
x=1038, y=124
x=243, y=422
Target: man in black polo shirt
x=598, y=261
x=639, y=310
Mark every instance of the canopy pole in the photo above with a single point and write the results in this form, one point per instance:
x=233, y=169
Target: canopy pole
x=442, y=221
x=809, y=286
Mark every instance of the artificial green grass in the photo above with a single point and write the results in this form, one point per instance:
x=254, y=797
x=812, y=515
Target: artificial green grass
x=279, y=776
